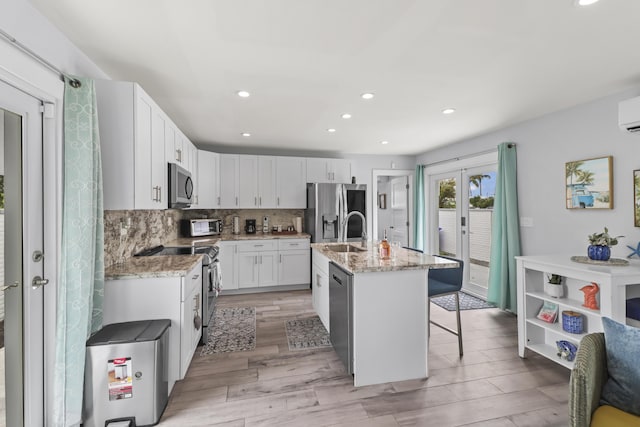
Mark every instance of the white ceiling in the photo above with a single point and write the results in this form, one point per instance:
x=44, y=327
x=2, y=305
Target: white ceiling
x=305, y=62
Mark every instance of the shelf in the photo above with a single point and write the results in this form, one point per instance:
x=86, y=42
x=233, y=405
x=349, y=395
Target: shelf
x=557, y=328
x=550, y=352
x=572, y=303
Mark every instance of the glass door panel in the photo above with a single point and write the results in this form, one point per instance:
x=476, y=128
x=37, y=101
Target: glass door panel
x=479, y=219
x=448, y=214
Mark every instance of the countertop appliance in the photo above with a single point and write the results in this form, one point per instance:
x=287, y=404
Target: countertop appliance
x=201, y=227
x=250, y=227
x=341, y=314
x=327, y=207
x=211, y=285
x=180, y=187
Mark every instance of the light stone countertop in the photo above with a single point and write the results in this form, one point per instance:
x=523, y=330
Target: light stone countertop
x=179, y=265
x=228, y=237
x=369, y=261
x=153, y=266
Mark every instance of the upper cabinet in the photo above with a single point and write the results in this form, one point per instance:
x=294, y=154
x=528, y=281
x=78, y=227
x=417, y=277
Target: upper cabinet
x=291, y=182
x=208, y=180
x=132, y=136
x=229, y=181
x=257, y=182
x=328, y=170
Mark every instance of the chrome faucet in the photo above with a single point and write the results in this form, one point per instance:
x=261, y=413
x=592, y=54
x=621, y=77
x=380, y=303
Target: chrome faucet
x=364, y=227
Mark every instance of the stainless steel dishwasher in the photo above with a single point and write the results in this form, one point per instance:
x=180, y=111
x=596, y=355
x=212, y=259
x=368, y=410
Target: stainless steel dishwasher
x=340, y=314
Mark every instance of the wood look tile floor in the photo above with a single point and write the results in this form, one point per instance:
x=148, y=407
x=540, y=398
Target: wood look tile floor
x=272, y=386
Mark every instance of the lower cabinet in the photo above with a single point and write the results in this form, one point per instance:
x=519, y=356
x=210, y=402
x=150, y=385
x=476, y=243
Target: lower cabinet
x=320, y=287
x=228, y=258
x=264, y=263
x=176, y=298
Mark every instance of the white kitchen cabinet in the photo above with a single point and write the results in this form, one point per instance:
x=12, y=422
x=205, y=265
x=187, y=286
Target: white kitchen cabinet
x=320, y=287
x=294, y=261
x=229, y=181
x=328, y=170
x=615, y=283
x=257, y=182
x=173, y=298
x=257, y=263
x=228, y=258
x=208, y=180
x=291, y=182
x=132, y=147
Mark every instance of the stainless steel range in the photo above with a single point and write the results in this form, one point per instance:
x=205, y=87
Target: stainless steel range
x=210, y=277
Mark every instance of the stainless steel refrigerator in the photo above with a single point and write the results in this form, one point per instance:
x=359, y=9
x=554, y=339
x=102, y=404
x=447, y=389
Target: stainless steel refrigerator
x=327, y=207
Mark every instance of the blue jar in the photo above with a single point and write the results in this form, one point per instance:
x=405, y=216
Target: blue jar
x=599, y=253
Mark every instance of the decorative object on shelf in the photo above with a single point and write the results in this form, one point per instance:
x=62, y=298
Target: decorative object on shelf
x=548, y=312
x=572, y=322
x=590, y=292
x=566, y=350
x=589, y=183
x=636, y=250
x=382, y=201
x=599, y=244
x=636, y=199
x=611, y=262
x=553, y=286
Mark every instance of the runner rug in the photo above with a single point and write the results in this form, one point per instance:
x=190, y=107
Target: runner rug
x=307, y=333
x=234, y=329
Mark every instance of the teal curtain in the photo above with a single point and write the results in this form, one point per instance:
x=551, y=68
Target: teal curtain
x=419, y=218
x=505, y=233
x=81, y=281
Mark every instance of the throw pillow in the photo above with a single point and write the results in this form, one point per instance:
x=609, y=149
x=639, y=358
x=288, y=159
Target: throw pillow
x=623, y=352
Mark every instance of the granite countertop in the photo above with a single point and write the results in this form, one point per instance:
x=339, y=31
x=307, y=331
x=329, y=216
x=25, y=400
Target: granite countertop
x=225, y=237
x=369, y=261
x=153, y=266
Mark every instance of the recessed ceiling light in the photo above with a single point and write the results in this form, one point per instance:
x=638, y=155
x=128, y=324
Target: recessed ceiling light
x=243, y=94
x=448, y=111
x=585, y=2
x=367, y=95
x=384, y=142
x=246, y=134
x=346, y=116
x=331, y=130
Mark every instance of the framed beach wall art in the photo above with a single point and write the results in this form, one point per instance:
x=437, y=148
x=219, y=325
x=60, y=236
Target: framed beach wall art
x=636, y=198
x=589, y=183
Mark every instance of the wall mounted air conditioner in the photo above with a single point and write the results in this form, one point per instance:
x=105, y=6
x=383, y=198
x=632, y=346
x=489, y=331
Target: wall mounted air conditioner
x=629, y=114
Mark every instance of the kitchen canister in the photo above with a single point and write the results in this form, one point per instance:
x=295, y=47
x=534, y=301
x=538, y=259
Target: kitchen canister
x=297, y=223
x=572, y=322
x=235, y=225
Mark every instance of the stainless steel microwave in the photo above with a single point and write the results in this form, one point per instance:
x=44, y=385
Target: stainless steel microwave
x=180, y=187
x=201, y=227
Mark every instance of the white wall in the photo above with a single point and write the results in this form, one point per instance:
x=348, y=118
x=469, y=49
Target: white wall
x=544, y=145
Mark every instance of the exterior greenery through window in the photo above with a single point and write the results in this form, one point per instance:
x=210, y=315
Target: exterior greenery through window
x=447, y=197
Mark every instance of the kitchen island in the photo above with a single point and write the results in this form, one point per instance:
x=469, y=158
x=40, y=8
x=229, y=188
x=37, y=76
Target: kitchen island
x=388, y=318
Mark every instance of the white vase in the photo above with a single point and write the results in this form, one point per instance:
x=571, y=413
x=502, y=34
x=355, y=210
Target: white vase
x=553, y=290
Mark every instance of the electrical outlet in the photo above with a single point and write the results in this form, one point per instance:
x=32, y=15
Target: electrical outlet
x=526, y=221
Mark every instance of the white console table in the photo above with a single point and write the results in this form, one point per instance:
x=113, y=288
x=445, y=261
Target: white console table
x=617, y=283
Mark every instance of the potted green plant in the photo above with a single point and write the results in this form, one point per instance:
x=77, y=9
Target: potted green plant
x=599, y=244
x=553, y=287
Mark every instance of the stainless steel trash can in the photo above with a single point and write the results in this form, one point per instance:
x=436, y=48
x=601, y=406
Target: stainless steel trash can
x=126, y=374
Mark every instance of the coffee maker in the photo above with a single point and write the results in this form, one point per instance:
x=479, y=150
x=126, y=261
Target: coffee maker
x=250, y=227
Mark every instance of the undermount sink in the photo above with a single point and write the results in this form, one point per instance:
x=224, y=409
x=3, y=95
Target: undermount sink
x=345, y=248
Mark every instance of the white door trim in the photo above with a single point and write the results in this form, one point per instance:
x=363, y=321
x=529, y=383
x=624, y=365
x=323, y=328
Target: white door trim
x=374, y=198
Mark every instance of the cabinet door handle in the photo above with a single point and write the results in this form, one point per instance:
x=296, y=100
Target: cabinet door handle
x=260, y=200
x=218, y=200
x=258, y=246
x=280, y=258
x=294, y=244
x=195, y=277
x=255, y=260
x=255, y=201
x=278, y=201
x=236, y=200
x=160, y=194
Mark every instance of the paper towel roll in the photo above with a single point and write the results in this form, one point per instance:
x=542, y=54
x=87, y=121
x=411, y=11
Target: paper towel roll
x=297, y=223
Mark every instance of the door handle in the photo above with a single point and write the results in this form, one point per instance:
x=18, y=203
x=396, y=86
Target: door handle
x=337, y=279
x=38, y=282
x=13, y=285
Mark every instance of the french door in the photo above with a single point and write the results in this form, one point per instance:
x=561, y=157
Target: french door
x=22, y=261
x=461, y=208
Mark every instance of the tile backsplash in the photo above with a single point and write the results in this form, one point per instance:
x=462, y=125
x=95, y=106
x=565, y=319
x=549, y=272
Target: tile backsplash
x=129, y=232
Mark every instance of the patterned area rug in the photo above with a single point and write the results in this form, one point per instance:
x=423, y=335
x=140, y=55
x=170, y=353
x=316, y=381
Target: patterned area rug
x=234, y=329
x=467, y=302
x=303, y=334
